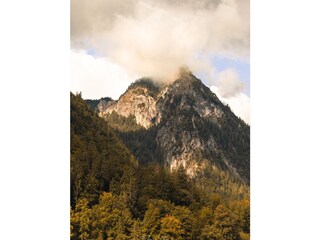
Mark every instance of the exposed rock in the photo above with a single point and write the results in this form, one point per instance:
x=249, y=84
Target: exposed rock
x=136, y=102
x=192, y=127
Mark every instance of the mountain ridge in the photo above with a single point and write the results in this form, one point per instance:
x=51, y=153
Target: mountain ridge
x=185, y=123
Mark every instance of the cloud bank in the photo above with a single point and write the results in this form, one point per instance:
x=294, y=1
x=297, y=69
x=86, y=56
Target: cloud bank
x=239, y=103
x=97, y=77
x=154, y=38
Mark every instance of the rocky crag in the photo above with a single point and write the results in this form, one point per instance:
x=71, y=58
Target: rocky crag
x=180, y=124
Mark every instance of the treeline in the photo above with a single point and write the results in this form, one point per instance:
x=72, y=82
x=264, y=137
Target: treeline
x=153, y=203
x=111, y=219
x=153, y=87
x=93, y=103
x=114, y=197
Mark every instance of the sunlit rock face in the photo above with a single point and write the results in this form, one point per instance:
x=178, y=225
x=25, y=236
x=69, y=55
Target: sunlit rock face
x=136, y=102
x=192, y=127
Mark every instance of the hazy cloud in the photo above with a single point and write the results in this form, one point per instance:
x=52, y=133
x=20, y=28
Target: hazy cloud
x=154, y=38
x=229, y=83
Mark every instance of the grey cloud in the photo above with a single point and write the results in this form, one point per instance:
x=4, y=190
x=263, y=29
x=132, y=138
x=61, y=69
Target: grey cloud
x=155, y=38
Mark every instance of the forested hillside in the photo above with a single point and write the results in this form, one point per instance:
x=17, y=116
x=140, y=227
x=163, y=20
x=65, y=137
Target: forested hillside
x=98, y=157
x=113, y=196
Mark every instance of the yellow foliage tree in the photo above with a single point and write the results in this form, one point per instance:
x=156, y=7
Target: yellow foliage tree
x=171, y=228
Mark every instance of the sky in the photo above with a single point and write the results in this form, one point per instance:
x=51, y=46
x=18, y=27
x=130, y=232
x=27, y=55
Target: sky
x=115, y=42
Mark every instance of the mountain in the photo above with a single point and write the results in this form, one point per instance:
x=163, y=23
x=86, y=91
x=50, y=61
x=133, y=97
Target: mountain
x=181, y=124
x=122, y=186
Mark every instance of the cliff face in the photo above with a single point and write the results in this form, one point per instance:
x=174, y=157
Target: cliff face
x=136, y=102
x=190, y=126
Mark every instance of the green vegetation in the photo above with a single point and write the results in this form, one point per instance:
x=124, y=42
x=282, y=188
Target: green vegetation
x=97, y=155
x=139, y=140
x=114, y=197
x=234, y=138
x=93, y=103
x=111, y=218
x=153, y=88
x=123, y=124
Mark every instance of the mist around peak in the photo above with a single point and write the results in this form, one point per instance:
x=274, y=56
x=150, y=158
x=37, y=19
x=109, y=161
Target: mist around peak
x=154, y=38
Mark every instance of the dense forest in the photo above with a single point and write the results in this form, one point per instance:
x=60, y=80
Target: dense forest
x=114, y=195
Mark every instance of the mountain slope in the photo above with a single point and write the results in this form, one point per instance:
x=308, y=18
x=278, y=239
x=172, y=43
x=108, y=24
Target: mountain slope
x=114, y=197
x=182, y=124
x=97, y=154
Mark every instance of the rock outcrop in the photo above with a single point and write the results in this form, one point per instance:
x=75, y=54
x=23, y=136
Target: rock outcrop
x=192, y=127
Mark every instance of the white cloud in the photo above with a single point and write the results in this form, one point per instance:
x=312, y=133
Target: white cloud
x=98, y=77
x=155, y=38
x=239, y=103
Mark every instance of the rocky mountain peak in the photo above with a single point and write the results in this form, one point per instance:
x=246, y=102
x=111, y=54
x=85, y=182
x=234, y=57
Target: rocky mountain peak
x=190, y=127
x=139, y=101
